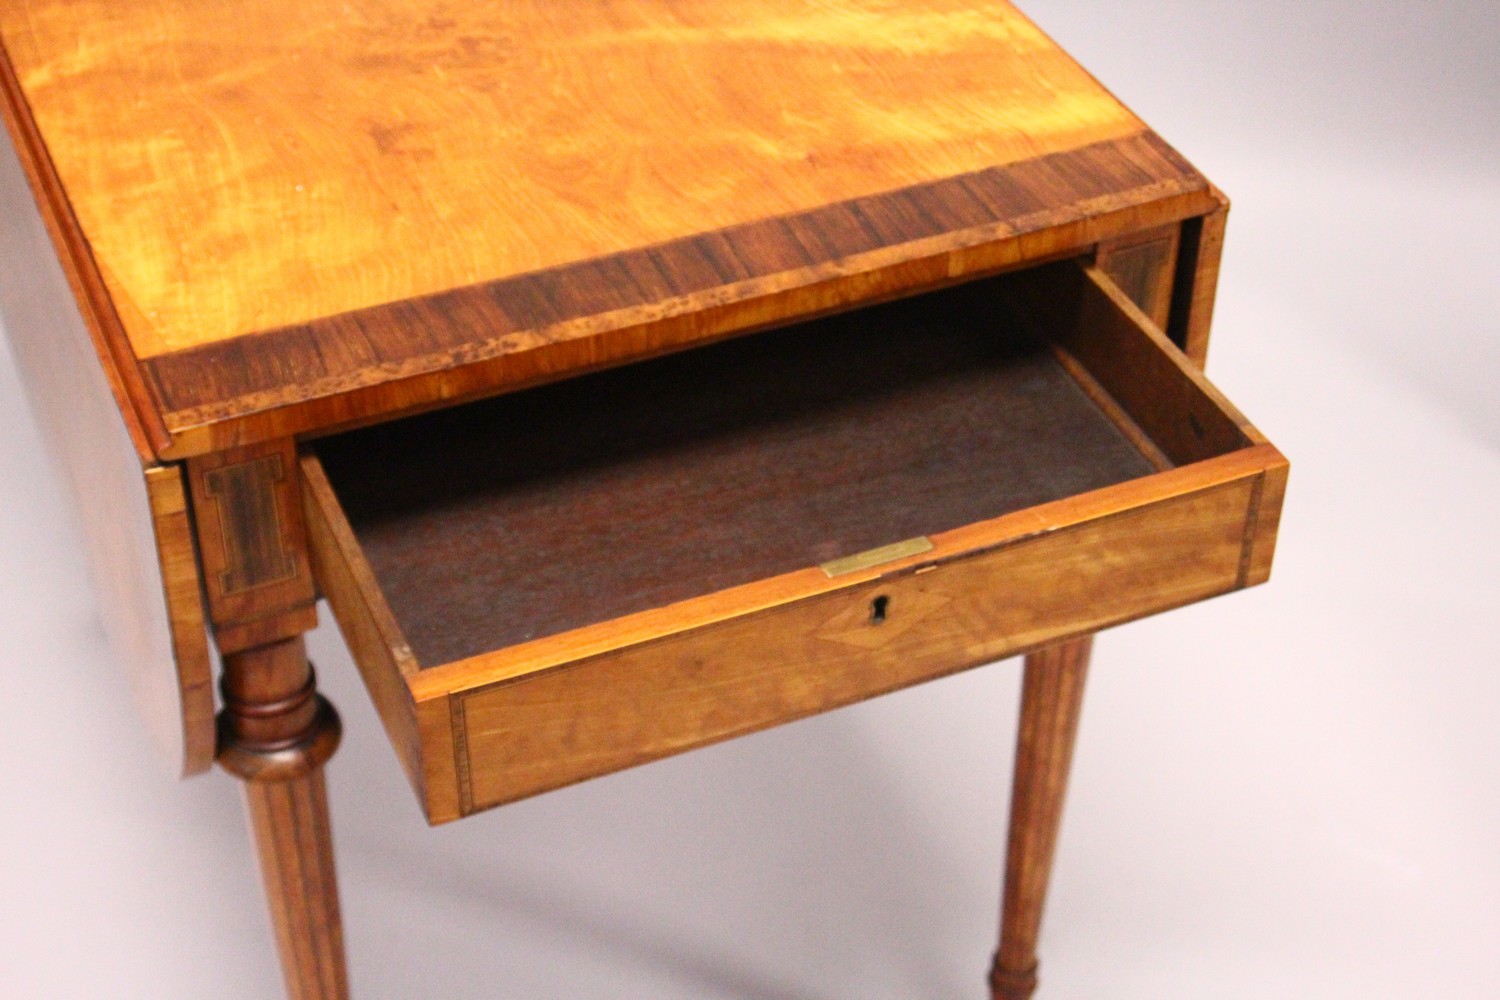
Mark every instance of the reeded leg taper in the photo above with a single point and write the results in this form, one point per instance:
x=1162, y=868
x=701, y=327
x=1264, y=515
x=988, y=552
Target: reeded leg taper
x=276, y=732
x=1051, y=698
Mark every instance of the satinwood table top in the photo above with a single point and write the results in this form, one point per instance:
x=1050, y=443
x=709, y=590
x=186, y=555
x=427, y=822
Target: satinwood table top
x=301, y=214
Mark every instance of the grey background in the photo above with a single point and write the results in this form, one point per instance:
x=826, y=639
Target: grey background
x=1290, y=792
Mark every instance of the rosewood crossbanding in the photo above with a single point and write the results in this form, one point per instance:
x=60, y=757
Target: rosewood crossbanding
x=414, y=148
x=248, y=268
x=535, y=327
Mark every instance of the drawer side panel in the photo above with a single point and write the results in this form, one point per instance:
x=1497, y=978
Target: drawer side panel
x=375, y=641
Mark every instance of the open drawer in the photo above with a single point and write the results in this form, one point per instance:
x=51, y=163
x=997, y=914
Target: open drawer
x=577, y=578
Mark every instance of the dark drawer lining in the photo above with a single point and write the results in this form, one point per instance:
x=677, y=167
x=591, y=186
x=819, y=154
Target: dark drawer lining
x=575, y=503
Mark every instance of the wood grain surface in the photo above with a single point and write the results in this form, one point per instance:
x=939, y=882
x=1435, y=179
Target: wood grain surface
x=1144, y=266
x=792, y=448
x=648, y=701
x=375, y=639
x=1197, y=283
x=488, y=730
x=276, y=733
x=485, y=729
x=1161, y=389
x=116, y=357
x=252, y=544
x=294, y=851
x=378, y=208
x=214, y=152
x=134, y=517
x=1051, y=703
x=510, y=333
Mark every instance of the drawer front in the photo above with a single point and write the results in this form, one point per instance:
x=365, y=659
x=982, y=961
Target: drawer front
x=519, y=738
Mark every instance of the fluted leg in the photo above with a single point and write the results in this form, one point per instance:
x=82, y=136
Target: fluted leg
x=276, y=732
x=1051, y=697
x=295, y=849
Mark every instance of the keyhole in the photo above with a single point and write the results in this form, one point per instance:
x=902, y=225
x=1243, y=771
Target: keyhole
x=878, y=608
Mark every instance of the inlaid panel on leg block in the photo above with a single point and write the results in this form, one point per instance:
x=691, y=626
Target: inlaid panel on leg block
x=1144, y=265
x=248, y=512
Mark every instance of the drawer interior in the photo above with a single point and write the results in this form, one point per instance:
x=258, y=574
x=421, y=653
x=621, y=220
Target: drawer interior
x=601, y=496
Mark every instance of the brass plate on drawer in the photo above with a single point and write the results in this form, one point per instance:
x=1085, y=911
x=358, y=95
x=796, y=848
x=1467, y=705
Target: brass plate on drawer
x=874, y=557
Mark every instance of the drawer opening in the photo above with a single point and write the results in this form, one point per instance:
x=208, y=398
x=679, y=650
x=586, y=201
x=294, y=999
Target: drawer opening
x=582, y=501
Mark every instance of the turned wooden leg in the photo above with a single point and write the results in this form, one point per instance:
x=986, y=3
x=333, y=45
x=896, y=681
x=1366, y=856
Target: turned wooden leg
x=275, y=733
x=1051, y=697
